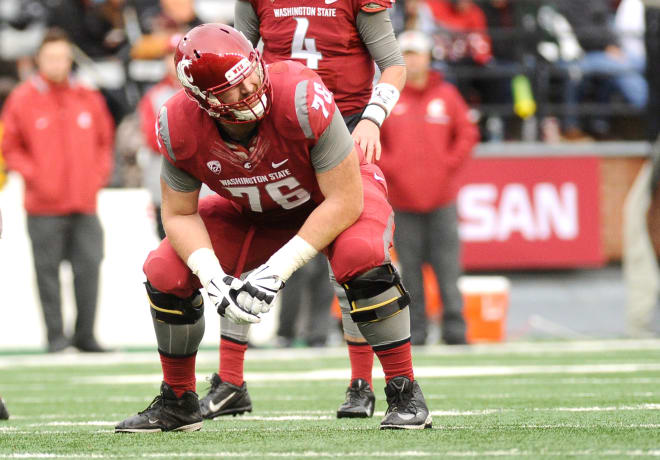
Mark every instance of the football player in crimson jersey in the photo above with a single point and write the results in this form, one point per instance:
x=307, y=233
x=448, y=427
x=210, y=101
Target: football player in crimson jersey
x=340, y=40
x=290, y=183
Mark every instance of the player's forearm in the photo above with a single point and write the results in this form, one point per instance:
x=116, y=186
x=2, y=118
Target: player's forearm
x=186, y=233
x=395, y=75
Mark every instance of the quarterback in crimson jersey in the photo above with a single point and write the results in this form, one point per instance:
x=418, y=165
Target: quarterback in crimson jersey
x=340, y=40
x=289, y=183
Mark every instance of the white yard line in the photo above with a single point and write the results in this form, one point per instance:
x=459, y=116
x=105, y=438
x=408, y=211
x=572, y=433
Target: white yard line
x=397, y=454
x=277, y=416
x=206, y=356
x=420, y=371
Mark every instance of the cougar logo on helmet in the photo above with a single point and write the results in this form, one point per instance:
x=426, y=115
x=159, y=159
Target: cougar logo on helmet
x=186, y=79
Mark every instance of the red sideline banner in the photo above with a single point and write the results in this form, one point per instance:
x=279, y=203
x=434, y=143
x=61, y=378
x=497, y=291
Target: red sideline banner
x=530, y=213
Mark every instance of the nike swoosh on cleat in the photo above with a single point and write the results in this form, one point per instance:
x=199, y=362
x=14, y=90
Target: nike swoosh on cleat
x=277, y=165
x=217, y=407
x=152, y=421
x=406, y=416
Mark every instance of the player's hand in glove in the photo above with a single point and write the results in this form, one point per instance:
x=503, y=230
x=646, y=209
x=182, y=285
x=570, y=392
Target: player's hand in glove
x=260, y=290
x=223, y=292
x=221, y=288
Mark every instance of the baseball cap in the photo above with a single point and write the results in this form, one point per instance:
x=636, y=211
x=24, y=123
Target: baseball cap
x=415, y=41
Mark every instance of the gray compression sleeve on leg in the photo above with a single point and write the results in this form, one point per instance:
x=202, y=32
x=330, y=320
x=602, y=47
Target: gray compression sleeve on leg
x=237, y=332
x=348, y=325
x=390, y=330
x=179, y=339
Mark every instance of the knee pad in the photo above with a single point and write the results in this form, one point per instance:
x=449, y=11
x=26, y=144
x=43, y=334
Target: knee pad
x=171, y=309
x=376, y=294
x=178, y=322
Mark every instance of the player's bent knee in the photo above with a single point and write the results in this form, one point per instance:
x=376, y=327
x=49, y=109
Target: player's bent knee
x=171, y=309
x=376, y=295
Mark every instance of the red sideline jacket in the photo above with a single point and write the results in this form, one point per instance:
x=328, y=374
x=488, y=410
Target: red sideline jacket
x=60, y=139
x=425, y=140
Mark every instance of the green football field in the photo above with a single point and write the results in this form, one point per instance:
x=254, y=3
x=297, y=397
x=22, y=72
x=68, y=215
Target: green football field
x=531, y=400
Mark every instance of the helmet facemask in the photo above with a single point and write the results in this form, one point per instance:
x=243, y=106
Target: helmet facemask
x=247, y=110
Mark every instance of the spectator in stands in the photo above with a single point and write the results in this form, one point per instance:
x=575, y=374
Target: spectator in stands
x=159, y=23
x=309, y=291
x=59, y=135
x=426, y=141
x=601, y=56
x=148, y=109
x=463, y=32
x=412, y=15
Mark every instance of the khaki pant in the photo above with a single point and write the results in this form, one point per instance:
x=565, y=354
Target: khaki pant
x=640, y=265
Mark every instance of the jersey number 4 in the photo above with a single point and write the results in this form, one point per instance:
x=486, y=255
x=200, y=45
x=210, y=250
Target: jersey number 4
x=295, y=197
x=304, y=48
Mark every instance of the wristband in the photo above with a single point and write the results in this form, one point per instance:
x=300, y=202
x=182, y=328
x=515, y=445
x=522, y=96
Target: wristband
x=374, y=113
x=383, y=99
x=290, y=257
x=205, y=265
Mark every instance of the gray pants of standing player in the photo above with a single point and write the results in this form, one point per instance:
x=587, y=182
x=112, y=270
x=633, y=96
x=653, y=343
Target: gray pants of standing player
x=77, y=238
x=433, y=238
x=307, y=287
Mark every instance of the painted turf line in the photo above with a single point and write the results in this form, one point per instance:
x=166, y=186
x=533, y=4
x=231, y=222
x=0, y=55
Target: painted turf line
x=397, y=454
x=315, y=416
x=420, y=371
x=211, y=356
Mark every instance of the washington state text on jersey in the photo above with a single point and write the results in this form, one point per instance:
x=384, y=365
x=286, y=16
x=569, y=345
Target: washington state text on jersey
x=304, y=11
x=255, y=179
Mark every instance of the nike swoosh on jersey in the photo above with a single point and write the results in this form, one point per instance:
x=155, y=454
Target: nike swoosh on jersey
x=330, y=2
x=217, y=407
x=377, y=177
x=277, y=165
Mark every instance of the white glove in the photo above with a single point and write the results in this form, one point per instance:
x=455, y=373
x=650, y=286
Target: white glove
x=223, y=293
x=221, y=288
x=260, y=290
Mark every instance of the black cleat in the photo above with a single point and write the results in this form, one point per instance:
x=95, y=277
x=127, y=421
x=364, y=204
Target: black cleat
x=224, y=398
x=4, y=415
x=165, y=413
x=360, y=401
x=406, y=406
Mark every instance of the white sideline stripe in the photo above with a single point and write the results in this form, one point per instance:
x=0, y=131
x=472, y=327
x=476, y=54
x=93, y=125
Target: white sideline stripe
x=315, y=416
x=404, y=454
x=211, y=357
x=420, y=371
x=209, y=429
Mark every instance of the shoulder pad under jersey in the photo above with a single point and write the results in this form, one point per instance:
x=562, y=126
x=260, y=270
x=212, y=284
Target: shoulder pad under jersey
x=175, y=128
x=303, y=107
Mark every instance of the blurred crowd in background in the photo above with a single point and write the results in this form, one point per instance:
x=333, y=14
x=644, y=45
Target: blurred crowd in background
x=531, y=70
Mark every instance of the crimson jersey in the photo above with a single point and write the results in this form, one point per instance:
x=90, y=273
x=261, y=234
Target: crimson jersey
x=322, y=34
x=274, y=173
